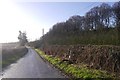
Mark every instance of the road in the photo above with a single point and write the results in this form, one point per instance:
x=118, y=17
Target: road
x=0, y=59
x=31, y=66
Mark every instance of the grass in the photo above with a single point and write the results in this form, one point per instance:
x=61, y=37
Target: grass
x=75, y=71
x=11, y=55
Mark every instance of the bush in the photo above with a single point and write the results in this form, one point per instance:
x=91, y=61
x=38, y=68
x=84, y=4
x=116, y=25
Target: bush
x=75, y=71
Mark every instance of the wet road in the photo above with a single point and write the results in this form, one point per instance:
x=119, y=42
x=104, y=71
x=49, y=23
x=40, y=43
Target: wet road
x=0, y=59
x=31, y=66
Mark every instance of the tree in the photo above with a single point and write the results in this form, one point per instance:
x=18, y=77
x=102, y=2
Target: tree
x=89, y=20
x=22, y=38
x=98, y=17
x=76, y=22
x=105, y=13
x=116, y=11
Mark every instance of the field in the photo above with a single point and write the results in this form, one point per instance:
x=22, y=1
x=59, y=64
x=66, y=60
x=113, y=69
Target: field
x=11, y=52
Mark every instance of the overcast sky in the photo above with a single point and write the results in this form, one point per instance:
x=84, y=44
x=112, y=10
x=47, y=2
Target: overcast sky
x=32, y=16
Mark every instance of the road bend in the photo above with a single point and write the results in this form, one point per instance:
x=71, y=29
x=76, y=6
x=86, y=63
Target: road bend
x=31, y=66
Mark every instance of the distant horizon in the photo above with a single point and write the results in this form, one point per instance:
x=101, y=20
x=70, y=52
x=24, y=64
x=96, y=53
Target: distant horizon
x=32, y=17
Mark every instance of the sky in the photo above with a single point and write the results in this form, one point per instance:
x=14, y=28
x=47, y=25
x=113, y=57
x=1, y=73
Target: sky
x=33, y=15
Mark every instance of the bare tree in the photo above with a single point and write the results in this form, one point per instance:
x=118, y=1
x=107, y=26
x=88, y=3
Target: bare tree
x=105, y=13
x=116, y=11
x=76, y=21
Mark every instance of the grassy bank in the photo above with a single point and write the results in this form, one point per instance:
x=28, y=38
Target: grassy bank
x=75, y=71
x=11, y=55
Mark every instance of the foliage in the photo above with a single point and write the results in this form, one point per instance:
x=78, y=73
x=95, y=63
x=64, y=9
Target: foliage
x=116, y=11
x=75, y=71
x=96, y=37
x=22, y=38
x=99, y=26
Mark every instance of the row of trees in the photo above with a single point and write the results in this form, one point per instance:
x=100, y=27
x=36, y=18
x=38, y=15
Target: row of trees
x=103, y=16
x=89, y=28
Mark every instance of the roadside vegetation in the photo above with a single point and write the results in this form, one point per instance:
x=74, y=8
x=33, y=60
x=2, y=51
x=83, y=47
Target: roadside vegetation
x=11, y=53
x=107, y=36
x=76, y=71
x=99, y=26
x=93, y=40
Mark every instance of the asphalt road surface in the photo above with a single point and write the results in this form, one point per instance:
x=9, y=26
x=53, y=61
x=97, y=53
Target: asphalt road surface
x=31, y=66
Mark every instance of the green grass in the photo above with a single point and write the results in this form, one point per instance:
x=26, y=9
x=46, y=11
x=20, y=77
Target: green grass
x=75, y=71
x=10, y=56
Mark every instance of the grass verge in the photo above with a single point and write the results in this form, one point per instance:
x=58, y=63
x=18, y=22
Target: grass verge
x=11, y=55
x=75, y=71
